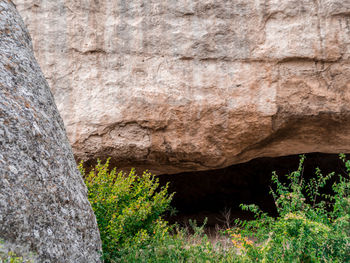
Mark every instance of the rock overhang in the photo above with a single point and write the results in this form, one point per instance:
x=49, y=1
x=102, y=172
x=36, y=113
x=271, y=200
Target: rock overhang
x=199, y=85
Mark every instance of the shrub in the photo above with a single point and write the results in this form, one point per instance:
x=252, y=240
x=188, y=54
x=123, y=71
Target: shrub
x=311, y=226
x=129, y=210
x=127, y=207
x=180, y=246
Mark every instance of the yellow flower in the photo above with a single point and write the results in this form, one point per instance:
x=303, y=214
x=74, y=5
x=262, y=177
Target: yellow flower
x=248, y=242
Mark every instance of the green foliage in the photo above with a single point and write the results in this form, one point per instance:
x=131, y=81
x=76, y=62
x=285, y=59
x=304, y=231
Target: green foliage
x=128, y=207
x=129, y=212
x=11, y=257
x=311, y=226
x=180, y=246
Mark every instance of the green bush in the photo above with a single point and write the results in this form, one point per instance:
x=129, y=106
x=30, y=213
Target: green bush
x=180, y=246
x=311, y=226
x=129, y=210
x=127, y=207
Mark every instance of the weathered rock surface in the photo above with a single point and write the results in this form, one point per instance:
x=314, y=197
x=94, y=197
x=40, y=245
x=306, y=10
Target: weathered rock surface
x=44, y=210
x=194, y=85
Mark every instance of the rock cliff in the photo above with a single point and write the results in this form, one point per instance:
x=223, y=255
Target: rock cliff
x=44, y=210
x=195, y=85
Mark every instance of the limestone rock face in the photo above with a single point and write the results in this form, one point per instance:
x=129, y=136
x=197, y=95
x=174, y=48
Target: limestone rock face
x=44, y=210
x=194, y=85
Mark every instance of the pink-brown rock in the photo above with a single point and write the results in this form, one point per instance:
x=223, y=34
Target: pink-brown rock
x=193, y=85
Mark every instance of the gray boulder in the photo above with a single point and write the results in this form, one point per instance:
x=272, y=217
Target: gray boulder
x=44, y=210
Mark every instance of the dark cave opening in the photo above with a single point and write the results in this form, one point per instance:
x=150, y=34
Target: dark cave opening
x=217, y=194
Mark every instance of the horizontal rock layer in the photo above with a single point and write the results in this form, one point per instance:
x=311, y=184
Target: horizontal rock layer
x=183, y=85
x=45, y=214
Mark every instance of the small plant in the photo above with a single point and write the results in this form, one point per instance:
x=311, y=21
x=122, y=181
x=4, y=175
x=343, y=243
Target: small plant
x=11, y=257
x=311, y=226
x=180, y=246
x=128, y=208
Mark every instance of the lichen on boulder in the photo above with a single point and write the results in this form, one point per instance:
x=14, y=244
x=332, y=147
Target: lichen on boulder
x=44, y=210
